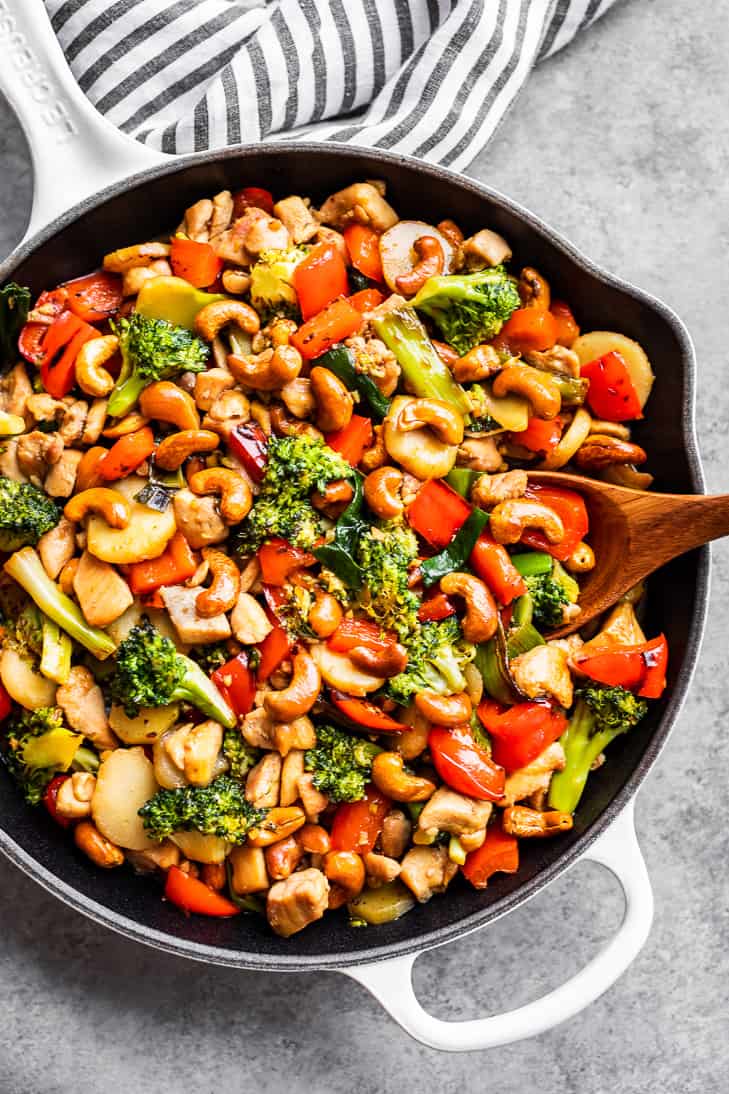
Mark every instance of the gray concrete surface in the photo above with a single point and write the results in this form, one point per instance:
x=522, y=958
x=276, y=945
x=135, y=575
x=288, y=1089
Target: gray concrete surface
x=622, y=143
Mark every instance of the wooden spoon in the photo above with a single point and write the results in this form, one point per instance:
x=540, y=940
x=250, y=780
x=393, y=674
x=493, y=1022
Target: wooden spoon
x=633, y=533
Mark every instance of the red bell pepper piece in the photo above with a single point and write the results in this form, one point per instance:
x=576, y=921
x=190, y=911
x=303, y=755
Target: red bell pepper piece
x=363, y=245
x=6, y=704
x=236, y=683
x=338, y=321
x=611, y=394
x=50, y=797
x=366, y=299
x=176, y=564
x=529, y=329
x=435, y=607
x=437, y=513
x=463, y=764
x=640, y=668
x=499, y=853
x=319, y=279
x=279, y=559
x=567, y=328
x=492, y=563
x=195, y=262
x=357, y=825
x=352, y=441
x=571, y=509
x=30, y=341
x=248, y=443
x=95, y=297
x=126, y=454
x=520, y=733
x=539, y=436
x=360, y=632
x=194, y=896
x=252, y=196
x=61, y=345
x=274, y=648
x=364, y=713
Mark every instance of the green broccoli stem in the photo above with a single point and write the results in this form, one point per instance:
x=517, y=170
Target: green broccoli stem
x=581, y=747
x=424, y=372
x=125, y=394
x=197, y=689
x=532, y=563
x=26, y=568
x=55, y=661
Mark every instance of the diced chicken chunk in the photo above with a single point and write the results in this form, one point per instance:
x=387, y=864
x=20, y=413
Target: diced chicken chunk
x=313, y=801
x=544, y=671
x=222, y=213
x=15, y=390
x=380, y=869
x=9, y=466
x=61, y=479
x=198, y=519
x=95, y=420
x=427, y=870
x=455, y=813
x=74, y=420
x=102, y=593
x=292, y=770
x=209, y=385
x=191, y=627
x=535, y=777
x=249, y=621
x=257, y=729
x=264, y=781
x=82, y=702
x=485, y=248
x=37, y=451
x=267, y=234
x=154, y=858
x=295, y=215
x=297, y=901
x=362, y=202
x=395, y=834
x=201, y=750
x=57, y=547
x=489, y=490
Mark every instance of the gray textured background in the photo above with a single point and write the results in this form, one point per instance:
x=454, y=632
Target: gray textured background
x=622, y=143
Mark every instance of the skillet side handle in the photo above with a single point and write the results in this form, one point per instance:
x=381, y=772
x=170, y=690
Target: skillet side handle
x=391, y=981
x=75, y=151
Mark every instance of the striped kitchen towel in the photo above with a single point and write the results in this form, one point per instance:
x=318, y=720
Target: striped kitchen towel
x=432, y=78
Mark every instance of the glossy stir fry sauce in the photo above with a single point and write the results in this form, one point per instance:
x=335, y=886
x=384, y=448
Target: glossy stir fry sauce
x=276, y=591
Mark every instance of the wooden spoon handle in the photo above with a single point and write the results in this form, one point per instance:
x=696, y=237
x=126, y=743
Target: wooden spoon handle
x=666, y=525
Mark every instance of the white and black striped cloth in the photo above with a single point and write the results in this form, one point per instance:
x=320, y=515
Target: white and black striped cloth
x=432, y=78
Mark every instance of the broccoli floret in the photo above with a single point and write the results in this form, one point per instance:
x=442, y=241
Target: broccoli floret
x=220, y=809
x=384, y=556
x=272, y=290
x=240, y=755
x=601, y=713
x=37, y=747
x=149, y=672
x=211, y=656
x=469, y=308
x=437, y=656
x=26, y=513
x=296, y=467
x=14, y=308
x=550, y=593
x=341, y=763
x=151, y=349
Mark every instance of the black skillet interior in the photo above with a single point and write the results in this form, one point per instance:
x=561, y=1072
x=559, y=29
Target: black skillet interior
x=132, y=904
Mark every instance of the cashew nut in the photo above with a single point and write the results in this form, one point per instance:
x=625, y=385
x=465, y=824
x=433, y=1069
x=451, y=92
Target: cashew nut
x=477, y=364
x=451, y=231
x=223, y=590
x=382, y=492
x=581, y=560
x=134, y=279
x=600, y=451
x=534, y=289
x=520, y=821
x=91, y=377
x=211, y=319
x=314, y=839
x=334, y=402
x=444, y=710
x=388, y=661
x=325, y=615
x=481, y=618
x=140, y=254
x=74, y=795
x=130, y=423
x=99, y=499
x=283, y=857
x=236, y=281
x=431, y=261
x=538, y=387
x=301, y=694
x=334, y=499
x=279, y=823
x=391, y=778
x=167, y=402
x=510, y=519
x=174, y=450
x=346, y=873
x=418, y=450
x=236, y=498
x=376, y=455
x=284, y=427
x=268, y=370
x=437, y=415
x=100, y=850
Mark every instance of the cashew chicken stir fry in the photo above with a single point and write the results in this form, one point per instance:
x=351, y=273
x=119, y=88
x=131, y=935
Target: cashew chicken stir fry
x=276, y=590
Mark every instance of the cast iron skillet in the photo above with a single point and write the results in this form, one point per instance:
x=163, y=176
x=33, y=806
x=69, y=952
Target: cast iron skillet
x=134, y=210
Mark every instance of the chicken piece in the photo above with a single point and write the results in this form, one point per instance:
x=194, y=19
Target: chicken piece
x=268, y=234
x=296, y=217
x=102, y=593
x=292, y=770
x=298, y=734
x=230, y=409
x=222, y=213
x=74, y=420
x=313, y=801
x=373, y=358
x=395, y=835
x=154, y=858
x=37, y=452
x=489, y=490
x=543, y=671
x=427, y=870
x=297, y=901
x=44, y=408
x=201, y=753
x=82, y=702
x=197, y=218
x=479, y=454
x=485, y=248
x=534, y=777
x=557, y=359
x=448, y=811
x=264, y=781
x=191, y=627
x=198, y=519
x=570, y=646
x=9, y=461
x=230, y=245
x=248, y=620
x=298, y=398
x=61, y=479
x=57, y=547
x=257, y=729
x=362, y=202
x=15, y=390
x=211, y=384
x=95, y=420
x=328, y=235
x=380, y=869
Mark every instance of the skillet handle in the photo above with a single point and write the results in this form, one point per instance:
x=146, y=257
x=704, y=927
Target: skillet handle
x=391, y=981
x=75, y=151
